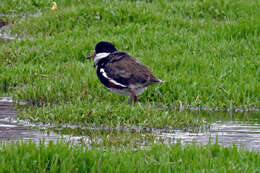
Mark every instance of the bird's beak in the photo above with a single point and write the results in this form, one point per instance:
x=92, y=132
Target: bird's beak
x=91, y=56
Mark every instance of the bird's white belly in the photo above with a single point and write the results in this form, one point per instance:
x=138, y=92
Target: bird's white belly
x=127, y=92
x=139, y=91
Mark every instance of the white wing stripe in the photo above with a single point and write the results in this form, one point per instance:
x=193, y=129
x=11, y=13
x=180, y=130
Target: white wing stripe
x=111, y=80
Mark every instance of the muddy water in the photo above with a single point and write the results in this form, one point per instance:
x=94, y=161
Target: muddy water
x=242, y=133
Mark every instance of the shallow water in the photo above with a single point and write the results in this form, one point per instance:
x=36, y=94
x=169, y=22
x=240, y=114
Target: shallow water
x=241, y=133
x=21, y=14
x=5, y=35
x=5, y=32
x=226, y=133
x=13, y=129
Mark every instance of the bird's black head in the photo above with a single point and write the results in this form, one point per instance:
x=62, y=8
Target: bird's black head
x=104, y=47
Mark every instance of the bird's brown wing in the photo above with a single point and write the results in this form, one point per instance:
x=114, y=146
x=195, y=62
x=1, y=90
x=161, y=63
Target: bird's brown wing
x=127, y=70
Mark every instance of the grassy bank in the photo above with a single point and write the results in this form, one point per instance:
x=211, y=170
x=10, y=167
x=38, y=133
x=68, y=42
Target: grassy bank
x=207, y=52
x=27, y=157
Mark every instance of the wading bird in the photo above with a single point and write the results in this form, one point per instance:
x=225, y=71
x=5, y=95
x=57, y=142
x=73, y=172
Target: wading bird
x=121, y=73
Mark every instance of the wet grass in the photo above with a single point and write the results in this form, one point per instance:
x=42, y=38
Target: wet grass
x=207, y=52
x=113, y=138
x=151, y=116
x=113, y=115
x=62, y=157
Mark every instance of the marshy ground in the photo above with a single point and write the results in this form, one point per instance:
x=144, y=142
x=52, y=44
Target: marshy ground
x=207, y=52
x=237, y=128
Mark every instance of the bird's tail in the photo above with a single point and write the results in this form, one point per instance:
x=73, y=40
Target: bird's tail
x=161, y=81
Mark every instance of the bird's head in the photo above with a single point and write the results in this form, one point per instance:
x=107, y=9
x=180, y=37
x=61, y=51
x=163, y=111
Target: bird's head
x=102, y=47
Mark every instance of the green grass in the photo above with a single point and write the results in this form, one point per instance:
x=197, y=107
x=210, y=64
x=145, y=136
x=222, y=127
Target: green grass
x=206, y=51
x=113, y=115
x=61, y=157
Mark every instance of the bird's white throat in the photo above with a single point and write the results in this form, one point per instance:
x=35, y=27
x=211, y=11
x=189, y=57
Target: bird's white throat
x=100, y=56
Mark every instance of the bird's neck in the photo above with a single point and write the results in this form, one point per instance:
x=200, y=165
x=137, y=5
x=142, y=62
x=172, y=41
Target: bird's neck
x=100, y=56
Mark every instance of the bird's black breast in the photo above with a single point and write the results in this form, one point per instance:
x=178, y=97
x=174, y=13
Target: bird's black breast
x=101, y=65
x=101, y=77
x=104, y=78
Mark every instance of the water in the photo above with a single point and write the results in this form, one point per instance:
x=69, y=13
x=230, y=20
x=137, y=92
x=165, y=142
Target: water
x=13, y=129
x=226, y=133
x=7, y=37
x=21, y=15
x=5, y=34
x=242, y=133
x=5, y=31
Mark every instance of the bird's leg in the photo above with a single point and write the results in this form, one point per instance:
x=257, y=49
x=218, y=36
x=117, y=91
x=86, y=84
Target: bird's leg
x=132, y=97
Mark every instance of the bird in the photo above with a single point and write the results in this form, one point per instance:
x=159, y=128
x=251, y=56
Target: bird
x=120, y=72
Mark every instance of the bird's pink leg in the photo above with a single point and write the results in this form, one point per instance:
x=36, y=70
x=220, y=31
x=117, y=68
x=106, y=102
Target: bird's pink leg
x=134, y=97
